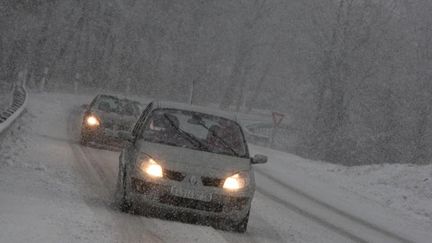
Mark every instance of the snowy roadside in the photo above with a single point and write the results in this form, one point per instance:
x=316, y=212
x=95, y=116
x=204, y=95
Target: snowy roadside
x=4, y=100
x=44, y=195
x=404, y=189
x=52, y=190
x=399, y=186
x=40, y=200
x=5, y=95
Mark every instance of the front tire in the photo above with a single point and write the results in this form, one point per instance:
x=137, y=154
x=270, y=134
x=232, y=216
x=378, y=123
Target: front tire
x=85, y=139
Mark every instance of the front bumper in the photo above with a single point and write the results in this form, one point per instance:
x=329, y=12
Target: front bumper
x=157, y=194
x=102, y=135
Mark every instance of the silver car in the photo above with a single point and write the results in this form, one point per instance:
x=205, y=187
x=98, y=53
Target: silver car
x=105, y=117
x=186, y=159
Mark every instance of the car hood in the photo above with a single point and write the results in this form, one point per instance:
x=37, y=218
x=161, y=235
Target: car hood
x=194, y=161
x=108, y=120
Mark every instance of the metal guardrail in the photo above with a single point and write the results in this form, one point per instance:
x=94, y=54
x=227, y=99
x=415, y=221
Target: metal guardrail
x=260, y=134
x=17, y=106
x=255, y=135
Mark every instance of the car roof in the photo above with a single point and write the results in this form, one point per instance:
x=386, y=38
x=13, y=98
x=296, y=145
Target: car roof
x=194, y=108
x=119, y=97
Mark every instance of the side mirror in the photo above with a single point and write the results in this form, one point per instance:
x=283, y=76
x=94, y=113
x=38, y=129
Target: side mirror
x=259, y=159
x=127, y=136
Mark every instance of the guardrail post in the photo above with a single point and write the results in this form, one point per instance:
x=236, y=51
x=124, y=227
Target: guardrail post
x=18, y=102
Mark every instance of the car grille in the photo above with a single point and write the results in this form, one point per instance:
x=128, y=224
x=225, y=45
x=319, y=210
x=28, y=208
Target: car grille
x=145, y=187
x=214, y=182
x=174, y=175
x=191, y=203
x=206, y=181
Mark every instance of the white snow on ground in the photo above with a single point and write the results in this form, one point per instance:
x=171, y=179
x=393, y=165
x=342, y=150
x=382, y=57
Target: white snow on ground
x=404, y=187
x=371, y=193
x=54, y=190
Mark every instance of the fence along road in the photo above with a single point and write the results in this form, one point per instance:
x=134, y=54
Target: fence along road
x=17, y=106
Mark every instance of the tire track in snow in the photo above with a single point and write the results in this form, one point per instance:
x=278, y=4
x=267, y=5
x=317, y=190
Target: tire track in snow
x=128, y=226
x=392, y=236
x=304, y=213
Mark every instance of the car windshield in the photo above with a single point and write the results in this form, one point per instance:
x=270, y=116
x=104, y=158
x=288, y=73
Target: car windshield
x=107, y=103
x=124, y=107
x=195, y=131
x=129, y=108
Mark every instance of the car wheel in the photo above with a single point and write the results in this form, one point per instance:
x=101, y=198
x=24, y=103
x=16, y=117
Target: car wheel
x=241, y=227
x=84, y=139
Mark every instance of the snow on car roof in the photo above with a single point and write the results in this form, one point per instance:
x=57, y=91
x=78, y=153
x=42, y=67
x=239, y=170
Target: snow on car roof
x=194, y=108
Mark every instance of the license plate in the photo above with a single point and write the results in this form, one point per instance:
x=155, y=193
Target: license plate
x=191, y=194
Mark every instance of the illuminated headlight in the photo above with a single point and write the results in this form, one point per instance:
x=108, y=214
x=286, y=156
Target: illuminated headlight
x=236, y=182
x=92, y=121
x=151, y=168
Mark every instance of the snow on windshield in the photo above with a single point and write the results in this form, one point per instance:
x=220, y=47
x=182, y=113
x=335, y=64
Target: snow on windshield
x=178, y=127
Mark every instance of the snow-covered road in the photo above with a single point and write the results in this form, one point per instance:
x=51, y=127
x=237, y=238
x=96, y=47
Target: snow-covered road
x=54, y=190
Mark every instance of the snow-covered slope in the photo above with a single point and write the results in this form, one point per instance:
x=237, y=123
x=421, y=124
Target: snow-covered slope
x=356, y=191
x=54, y=190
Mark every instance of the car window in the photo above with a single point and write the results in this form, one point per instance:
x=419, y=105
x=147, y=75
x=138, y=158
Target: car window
x=107, y=104
x=128, y=108
x=196, y=131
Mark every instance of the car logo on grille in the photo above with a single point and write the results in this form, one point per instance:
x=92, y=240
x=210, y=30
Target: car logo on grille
x=193, y=180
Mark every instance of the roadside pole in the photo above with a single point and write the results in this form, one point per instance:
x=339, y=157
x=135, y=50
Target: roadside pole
x=76, y=81
x=128, y=83
x=44, y=79
x=277, y=119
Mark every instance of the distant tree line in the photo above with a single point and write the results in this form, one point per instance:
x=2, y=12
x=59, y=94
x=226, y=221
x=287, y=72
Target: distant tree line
x=355, y=75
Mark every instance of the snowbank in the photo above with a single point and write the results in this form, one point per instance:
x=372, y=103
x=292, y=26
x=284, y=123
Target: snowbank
x=403, y=187
x=400, y=186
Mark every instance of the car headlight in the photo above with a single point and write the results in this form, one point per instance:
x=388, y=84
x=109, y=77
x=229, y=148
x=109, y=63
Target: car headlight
x=92, y=121
x=151, y=168
x=236, y=182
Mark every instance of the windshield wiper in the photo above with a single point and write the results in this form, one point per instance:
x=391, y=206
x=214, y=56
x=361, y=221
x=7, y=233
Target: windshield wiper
x=224, y=143
x=192, y=139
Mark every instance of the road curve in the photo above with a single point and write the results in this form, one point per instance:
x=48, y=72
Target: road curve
x=78, y=183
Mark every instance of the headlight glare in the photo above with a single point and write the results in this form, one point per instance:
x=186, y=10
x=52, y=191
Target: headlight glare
x=92, y=121
x=151, y=168
x=235, y=182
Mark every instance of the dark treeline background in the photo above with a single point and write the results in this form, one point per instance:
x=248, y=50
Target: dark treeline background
x=355, y=76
